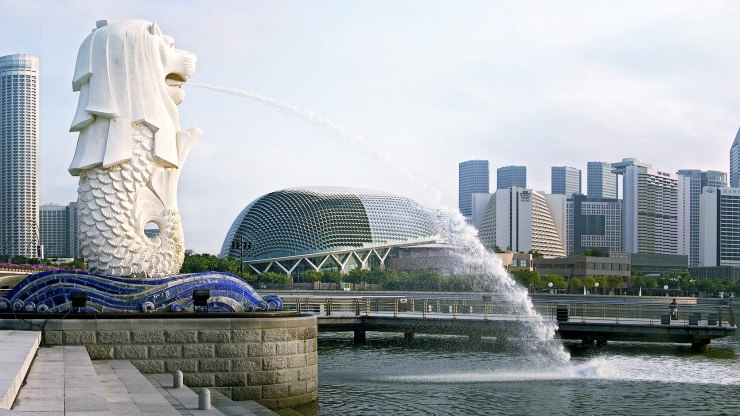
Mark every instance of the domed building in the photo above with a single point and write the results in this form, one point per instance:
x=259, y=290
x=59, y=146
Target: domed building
x=318, y=227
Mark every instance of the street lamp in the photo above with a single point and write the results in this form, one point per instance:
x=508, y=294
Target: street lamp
x=596, y=285
x=665, y=287
x=550, y=286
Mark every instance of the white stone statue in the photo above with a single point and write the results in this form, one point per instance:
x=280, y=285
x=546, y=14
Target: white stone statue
x=130, y=148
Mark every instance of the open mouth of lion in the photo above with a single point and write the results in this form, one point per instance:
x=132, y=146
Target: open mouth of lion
x=175, y=80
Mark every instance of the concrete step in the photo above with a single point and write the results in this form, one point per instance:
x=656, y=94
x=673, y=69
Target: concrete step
x=17, y=349
x=62, y=381
x=188, y=398
x=129, y=393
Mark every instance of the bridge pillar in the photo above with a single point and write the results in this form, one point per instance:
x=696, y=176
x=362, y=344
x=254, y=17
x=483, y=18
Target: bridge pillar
x=702, y=346
x=408, y=336
x=601, y=343
x=587, y=343
x=360, y=337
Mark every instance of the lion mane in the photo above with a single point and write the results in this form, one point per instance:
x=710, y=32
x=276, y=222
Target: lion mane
x=122, y=74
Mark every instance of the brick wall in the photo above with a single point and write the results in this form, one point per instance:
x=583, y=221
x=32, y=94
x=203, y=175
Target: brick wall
x=271, y=360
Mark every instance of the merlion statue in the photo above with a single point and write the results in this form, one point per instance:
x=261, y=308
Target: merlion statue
x=130, y=148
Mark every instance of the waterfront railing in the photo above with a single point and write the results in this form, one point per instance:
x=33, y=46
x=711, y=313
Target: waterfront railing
x=585, y=312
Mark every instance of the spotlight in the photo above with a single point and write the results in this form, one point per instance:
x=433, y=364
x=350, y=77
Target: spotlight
x=200, y=298
x=79, y=299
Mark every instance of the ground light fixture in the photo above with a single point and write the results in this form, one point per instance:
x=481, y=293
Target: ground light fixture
x=200, y=298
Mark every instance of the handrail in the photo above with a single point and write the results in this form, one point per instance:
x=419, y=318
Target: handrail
x=582, y=312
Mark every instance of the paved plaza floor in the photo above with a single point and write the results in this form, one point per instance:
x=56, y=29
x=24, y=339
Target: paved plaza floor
x=64, y=381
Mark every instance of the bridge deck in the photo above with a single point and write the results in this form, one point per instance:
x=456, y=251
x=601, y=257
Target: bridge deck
x=587, y=322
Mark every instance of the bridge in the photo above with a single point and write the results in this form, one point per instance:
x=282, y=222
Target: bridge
x=591, y=321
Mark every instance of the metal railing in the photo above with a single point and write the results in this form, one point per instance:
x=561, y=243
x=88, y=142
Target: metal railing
x=585, y=312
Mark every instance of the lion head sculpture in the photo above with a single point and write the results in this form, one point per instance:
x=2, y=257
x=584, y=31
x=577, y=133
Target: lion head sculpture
x=127, y=73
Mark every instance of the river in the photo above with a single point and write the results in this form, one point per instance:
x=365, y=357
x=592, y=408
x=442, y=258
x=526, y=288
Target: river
x=451, y=376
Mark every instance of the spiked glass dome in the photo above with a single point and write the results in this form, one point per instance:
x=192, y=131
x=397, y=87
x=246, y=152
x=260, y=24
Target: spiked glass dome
x=308, y=220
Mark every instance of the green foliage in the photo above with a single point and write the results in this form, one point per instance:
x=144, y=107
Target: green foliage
x=614, y=282
x=536, y=254
x=527, y=278
x=274, y=278
x=558, y=281
x=312, y=276
x=575, y=285
x=593, y=252
x=589, y=282
x=496, y=249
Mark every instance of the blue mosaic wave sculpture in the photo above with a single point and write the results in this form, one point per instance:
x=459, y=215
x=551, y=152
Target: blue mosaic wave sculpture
x=52, y=292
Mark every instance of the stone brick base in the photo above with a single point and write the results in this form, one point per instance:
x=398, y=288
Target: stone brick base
x=271, y=360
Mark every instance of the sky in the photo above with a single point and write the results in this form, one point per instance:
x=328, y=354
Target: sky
x=416, y=86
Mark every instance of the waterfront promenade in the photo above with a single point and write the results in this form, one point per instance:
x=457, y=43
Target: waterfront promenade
x=592, y=320
x=63, y=380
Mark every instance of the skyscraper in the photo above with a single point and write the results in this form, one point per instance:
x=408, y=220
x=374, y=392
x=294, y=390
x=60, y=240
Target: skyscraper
x=596, y=223
x=58, y=230
x=650, y=214
x=720, y=214
x=19, y=163
x=735, y=162
x=521, y=220
x=509, y=176
x=565, y=180
x=601, y=182
x=697, y=181
x=473, y=179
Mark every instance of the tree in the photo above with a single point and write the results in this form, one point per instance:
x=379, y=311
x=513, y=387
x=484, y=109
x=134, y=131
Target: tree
x=496, y=249
x=311, y=276
x=558, y=281
x=527, y=278
x=274, y=278
x=575, y=285
x=593, y=252
x=589, y=282
x=536, y=254
x=427, y=280
x=614, y=282
x=357, y=275
x=332, y=276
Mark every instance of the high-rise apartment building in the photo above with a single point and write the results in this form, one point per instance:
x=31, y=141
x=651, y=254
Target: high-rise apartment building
x=19, y=158
x=601, y=182
x=565, y=180
x=650, y=208
x=473, y=179
x=719, y=230
x=58, y=230
x=697, y=181
x=735, y=162
x=509, y=176
x=518, y=219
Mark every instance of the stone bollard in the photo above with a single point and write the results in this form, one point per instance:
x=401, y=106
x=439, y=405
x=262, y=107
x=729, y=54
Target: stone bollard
x=204, y=399
x=177, y=379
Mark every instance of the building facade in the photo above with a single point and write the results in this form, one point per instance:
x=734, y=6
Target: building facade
x=601, y=181
x=596, y=223
x=19, y=158
x=735, y=162
x=58, y=230
x=509, y=176
x=521, y=220
x=719, y=227
x=473, y=178
x=314, y=228
x=689, y=224
x=650, y=208
x=565, y=180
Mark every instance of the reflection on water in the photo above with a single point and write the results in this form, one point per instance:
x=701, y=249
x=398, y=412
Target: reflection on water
x=449, y=375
